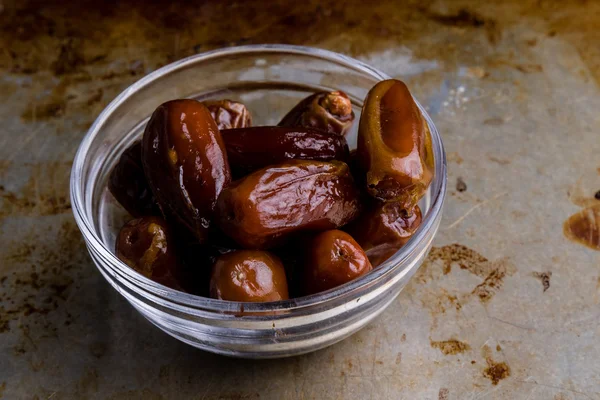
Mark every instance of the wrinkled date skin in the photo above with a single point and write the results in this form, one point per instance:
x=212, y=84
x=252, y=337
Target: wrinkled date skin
x=249, y=275
x=129, y=186
x=229, y=114
x=185, y=163
x=394, y=145
x=384, y=229
x=333, y=258
x=327, y=111
x=146, y=246
x=260, y=210
x=249, y=149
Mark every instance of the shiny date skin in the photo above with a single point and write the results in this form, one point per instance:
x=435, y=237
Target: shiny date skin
x=229, y=114
x=333, y=258
x=262, y=209
x=249, y=149
x=146, y=245
x=185, y=162
x=384, y=229
x=394, y=145
x=327, y=111
x=129, y=186
x=249, y=276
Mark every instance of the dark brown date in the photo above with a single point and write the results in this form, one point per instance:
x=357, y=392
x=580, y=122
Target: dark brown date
x=229, y=114
x=249, y=149
x=129, y=186
x=327, y=111
x=146, y=246
x=185, y=163
x=384, y=229
x=260, y=210
x=394, y=145
x=333, y=258
x=248, y=275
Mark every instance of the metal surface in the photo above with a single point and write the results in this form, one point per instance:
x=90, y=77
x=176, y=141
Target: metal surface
x=507, y=306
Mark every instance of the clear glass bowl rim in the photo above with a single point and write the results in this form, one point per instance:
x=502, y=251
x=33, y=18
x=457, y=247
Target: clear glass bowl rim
x=187, y=302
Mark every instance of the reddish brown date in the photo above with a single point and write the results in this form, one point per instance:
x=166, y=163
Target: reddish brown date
x=248, y=275
x=229, y=114
x=394, y=145
x=185, y=163
x=384, y=229
x=129, y=186
x=333, y=258
x=146, y=246
x=328, y=111
x=260, y=210
x=249, y=149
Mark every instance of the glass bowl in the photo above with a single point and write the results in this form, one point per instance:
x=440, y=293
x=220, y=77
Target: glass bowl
x=269, y=79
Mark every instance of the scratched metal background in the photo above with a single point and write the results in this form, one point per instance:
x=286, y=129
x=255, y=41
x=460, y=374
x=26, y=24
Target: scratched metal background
x=505, y=308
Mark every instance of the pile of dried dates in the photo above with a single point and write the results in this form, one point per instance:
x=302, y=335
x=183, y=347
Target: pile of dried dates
x=265, y=213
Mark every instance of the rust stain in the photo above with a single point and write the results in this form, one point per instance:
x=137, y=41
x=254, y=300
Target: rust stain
x=70, y=57
x=584, y=227
x=450, y=347
x=490, y=285
x=495, y=121
x=495, y=371
x=44, y=193
x=403, y=337
x=492, y=272
x=497, y=160
x=439, y=300
x=398, y=360
x=584, y=192
x=465, y=18
x=146, y=394
x=544, y=277
x=461, y=186
x=37, y=276
x=443, y=394
x=98, y=349
x=2, y=389
x=458, y=254
x=454, y=157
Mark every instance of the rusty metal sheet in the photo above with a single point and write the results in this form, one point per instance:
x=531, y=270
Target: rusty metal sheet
x=507, y=305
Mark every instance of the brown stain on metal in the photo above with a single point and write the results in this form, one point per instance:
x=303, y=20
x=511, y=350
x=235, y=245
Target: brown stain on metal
x=497, y=160
x=78, y=37
x=544, y=277
x=146, y=394
x=454, y=157
x=450, y=347
x=584, y=227
x=490, y=285
x=458, y=254
x=2, y=389
x=585, y=193
x=449, y=256
x=36, y=278
x=443, y=394
x=495, y=121
x=495, y=371
x=461, y=186
x=44, y=193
